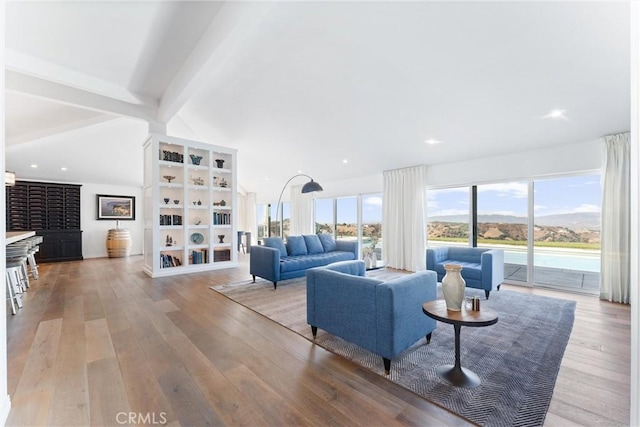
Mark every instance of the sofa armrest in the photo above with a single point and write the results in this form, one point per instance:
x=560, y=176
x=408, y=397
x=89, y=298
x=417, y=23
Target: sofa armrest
x=348, y=246
x=435, y=256
x=342, y=304
x=355, y=267
x=492, y=264
x=265, y=262
x=400, y=320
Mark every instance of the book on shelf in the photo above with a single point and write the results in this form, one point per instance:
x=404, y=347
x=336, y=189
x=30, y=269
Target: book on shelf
x=200, y=256
x=167, y=261
x=220, y=218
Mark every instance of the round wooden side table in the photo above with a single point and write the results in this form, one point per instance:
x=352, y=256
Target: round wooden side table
x=456, y=374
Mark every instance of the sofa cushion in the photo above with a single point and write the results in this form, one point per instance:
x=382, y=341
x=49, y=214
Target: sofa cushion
x=277, y=243
x=328, y=243
x=303, y=262
x=470, y=270
x=296, y=246
x=314, y=245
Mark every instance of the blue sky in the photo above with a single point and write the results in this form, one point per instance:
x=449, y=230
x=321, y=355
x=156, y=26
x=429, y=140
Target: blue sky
x=551, y=196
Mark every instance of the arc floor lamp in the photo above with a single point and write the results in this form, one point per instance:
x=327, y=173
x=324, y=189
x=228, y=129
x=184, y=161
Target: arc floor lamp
x=309, y=187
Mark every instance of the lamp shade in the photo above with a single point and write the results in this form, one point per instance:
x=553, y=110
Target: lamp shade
x=310, y=187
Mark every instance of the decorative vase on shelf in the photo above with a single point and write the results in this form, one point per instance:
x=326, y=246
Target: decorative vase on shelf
x=221, y=237
x=195, y=159
x=220, y=163
x=453, y=286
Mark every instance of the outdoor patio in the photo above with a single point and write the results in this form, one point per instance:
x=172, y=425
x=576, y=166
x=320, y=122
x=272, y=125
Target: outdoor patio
x=582, y=281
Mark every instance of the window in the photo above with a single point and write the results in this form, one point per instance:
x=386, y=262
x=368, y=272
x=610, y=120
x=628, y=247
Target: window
x=549, y=229
x=263, y=221
x=372, y=222
x=285, y=213
x=448, y=217
x=324, y=216
x=567, y=232
x=347, y=218
x=503, y=224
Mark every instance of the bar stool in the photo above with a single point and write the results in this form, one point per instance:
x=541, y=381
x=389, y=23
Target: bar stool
x=16, y=258
x=19, y=248
x=34, y=243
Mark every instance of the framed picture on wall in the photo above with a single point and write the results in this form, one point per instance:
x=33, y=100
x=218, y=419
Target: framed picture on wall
x=116, y=207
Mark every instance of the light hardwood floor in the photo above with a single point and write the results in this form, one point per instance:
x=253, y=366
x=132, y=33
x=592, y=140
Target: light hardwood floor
x=98, y=342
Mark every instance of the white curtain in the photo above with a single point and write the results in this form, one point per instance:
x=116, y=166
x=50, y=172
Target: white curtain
x=615, y=284
x=301, y=212
x=404, y=237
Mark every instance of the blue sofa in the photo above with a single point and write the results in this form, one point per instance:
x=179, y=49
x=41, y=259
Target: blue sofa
x=275, y=261
x=383, y=317
x=481, y=268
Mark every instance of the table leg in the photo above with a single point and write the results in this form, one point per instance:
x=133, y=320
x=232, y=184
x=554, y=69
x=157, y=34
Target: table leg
x=456, y=374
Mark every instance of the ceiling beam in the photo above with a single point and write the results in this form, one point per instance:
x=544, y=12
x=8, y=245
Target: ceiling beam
x=233, y=23
x=38, y=87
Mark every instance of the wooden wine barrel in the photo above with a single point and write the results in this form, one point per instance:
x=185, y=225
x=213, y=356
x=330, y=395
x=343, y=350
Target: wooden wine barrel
x=118, y=243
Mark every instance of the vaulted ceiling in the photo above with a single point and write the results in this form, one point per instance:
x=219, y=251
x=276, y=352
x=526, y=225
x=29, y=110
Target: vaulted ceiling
x=306, y=85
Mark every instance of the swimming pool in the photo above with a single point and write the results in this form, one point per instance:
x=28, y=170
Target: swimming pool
x=568, y=261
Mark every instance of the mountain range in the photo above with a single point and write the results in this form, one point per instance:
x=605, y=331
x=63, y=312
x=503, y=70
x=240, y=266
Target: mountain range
x=573, y=221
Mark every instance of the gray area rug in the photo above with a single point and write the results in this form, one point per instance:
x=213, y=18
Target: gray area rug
x=517, y=359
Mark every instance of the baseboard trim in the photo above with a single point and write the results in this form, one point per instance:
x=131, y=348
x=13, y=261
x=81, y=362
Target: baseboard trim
x=4, y=410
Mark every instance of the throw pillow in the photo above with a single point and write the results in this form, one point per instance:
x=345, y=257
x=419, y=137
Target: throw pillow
x=327, y=242
x=277, y=243
x=314, y=246
x=296, y=245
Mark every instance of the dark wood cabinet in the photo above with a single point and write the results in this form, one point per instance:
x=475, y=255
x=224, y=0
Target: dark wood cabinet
x=52, y=210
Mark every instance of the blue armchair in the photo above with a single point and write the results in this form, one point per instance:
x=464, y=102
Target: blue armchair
x=383, y=317
x=481, y=268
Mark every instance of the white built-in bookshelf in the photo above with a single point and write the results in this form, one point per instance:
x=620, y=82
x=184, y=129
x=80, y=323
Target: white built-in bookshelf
x=190, y=204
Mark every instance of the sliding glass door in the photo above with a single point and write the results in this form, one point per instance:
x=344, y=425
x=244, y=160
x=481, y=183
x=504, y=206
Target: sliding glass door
x=567, y=232
x=503, y=224
x=549, y=229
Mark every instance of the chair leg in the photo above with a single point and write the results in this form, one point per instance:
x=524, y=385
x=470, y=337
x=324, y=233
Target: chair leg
x=387, y=365
x=11, y=294
x=314, y=331
x=486, y=294
x=429, y=338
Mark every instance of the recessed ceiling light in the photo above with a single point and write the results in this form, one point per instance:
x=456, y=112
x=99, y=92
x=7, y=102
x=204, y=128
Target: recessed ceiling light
x=556, y=114
x=345, y=161
x=432, y=141
x=33, y=165
x=63, y=168
x=299, y=170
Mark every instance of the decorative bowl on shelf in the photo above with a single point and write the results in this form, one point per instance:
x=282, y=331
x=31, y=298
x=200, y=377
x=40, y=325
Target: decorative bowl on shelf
x=221, y=237
x=195, y=159
x=166, y=200
x=169, y=178
x=197, y=221
x=176, y=202
x=196, y=238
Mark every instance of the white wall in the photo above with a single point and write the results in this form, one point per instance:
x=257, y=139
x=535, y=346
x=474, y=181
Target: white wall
x=94, y=232
x=570, y=158
x=5, y=400
x=635, y=214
